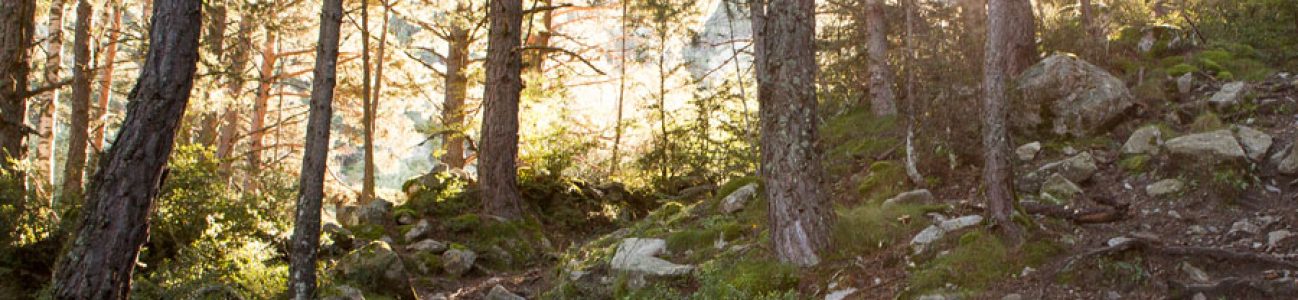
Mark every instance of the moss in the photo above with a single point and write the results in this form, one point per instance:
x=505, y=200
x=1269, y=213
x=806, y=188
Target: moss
x=867, y=228
x=979, y=260
x=463, y=222
x=745, y=277
x=705, y=237
x=1182, y=69
x=1225, y=76
x=856, y=135
x=734, y=184
x=370, y=232
x=885, y=179
x=1136, y=163
x=1207, y=121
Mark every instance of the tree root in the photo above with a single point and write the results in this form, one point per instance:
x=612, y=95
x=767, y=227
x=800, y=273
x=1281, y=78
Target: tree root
x=1235, y=288
x=1155, y=247
x=1079, y=216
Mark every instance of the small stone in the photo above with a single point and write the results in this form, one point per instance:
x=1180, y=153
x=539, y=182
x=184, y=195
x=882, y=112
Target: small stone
x=345, y=292
x=1114, y=242
x=1145, y=140
x=1229, y=95
x=1215, y=146
x=1069, y=150
x=1012, y=297
x=1185, y=83
x=1197, y=230
x=1288, y=164
x=456, y=262
x=1164, y=187
x=739, y=198
x=428, y=245
x=1244, y=226
x=1255, y=142
x=1028, y=151
x=499, y=292
x=1199, y=296
x=419, y=230
x=1112, y=295
x=1059, y=190
x=1195, y=273
x=1274, y=238
x=840, y=294
x=1174, y=214
x=920, y=196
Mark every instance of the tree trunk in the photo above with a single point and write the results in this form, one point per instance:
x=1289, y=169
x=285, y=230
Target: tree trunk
x=912, y=170
x=106, y=81
x=973, y=17
x=798, y=209
x=456, y=90
x=1092, y=41
x=79, y=120
x=665, y=139
x=372, y=112
x=238, y=62
x=367, y=134
x=882, y=100
x=621, y=91
x=1021, y=42
x=18, y=19
x=306, y=227
x=53, y=65
x=115, y=218
x=499, y=151
x=257, y=131
x=998, y=171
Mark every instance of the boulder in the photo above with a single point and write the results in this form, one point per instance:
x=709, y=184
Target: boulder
x=1164, y=187
x=637, y=255
x=1078, y=168
x=1145, y=140
x=920, y=196
x=1059, y=190
x=1185, y=83
x=420, y=230
x=1255, y=142
x=501, y=293
x=456, y=262
x=374, y=263
x=428, y=245
x=1068, y=96
x=1288, y=164
x=1214, y=146
x=936, y=231
x=1229, y=95
x=1028, y=151
x=377, y=212
x=344, y=292
x=737, y=199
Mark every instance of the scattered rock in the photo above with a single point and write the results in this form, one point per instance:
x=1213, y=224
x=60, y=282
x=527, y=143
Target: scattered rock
x=1070, y=96
x=920, y=196
x=456, y=262
x=1215, y=146
x=405, y=219
x=1244, y=226
x=1199, y=296
x=1229, y=95
x=1145, y=140
x=376, y=212
x=1028, y=151
x=344, y=292
x=936, y=231
x=638, y=255
x=1059, y=190
x=1077, y=169
x=501, y=293
x=1164, y=187
x=1274, y=238
x=1195, y=273
x=428, y=245
x=840, y=294
x=1288, y=164
x=1012, y=297
x=1185, y=83
x=419, y=230
x=376, y=263
x=1113, y=242
x=1255, y=142
x=737, y=199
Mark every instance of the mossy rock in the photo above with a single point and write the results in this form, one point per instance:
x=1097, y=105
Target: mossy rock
x=1136, y=163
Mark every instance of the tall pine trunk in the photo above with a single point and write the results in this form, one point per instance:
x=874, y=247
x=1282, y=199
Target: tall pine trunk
x=798, y=209
x=882, y=99
x=228, y=136
x=17, y=20
x=621, y=90
x=53, y=66
x=371, y=114
x=998, y=170
x=106, y=81
x=1021, y=40
x=499, y=150
x=257, y=131
x=457, y=87
x=306, y=227
x=115, y=218
x=79, y=120
x=367, y=131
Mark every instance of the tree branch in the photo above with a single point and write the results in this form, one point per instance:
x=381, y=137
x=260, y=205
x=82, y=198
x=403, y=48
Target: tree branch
x=564, y=51
x=46, y=88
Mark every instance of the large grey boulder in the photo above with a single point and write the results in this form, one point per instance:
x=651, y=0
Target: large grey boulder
x=1078, y=168
x=1255, y=142
x=1069, y=96
x=420, y=230
x=374, y=263
x=499, y=292
x=1059, y=190
x=739, y=198
x=1145, y=140
x=456, y=262
x=377, y=212
x=1164, y=187
x=638, y=255
x=920, y=196
x=1213, y=146
x=1229, y=95
x=935, y=232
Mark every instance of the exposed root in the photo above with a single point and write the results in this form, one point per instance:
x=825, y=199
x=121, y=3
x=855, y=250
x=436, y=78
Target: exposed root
x=1080, y=216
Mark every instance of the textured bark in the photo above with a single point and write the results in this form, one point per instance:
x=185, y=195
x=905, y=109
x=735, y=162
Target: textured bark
x=798, y=209
x=115, y=218
x=498, y=160
x=230, y=118
x=457, y=87
x=973, y=18
x=371, y=111
x=367, y=131
x=998, y=170
x=17, y=18
x=1021, y=41
x=106, y=82
x=912, y=159
x=534, y=60
x=79, y=119
x=306, y=227
x=257, y=132
x=882, y=99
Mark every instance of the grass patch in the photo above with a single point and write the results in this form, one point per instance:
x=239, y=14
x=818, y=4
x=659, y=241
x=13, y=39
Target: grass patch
x=978, y=261
x=1208, y=121
x=885, y=179
x=857, y=135
x=1136, y=163
x=867, y=228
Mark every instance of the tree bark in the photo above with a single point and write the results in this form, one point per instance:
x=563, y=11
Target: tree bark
x=882, y=99
x=106, y=81
x=621, y=90
x=1021, y=42
x=912, y=159
x=230, y=118
x=306, y=227
x=497, y=166
x=998, y=170
x=457, y=87
x=257, y=132
x=115, y=218
x=53, y=66
x=371, y=114
x=18, y=19
x=1092, y=41
x=79, y=120
x=798, y=209
x=367, y=134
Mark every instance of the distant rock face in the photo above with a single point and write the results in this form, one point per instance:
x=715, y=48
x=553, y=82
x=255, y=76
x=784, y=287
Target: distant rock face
x=1230, y=94
x=1215, y=146
x=456, y=262
x=638, y=255
x=1068, y=96
x=1164, y=187
x=1255, y=142
x=739, y=198
x=1145, y=140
